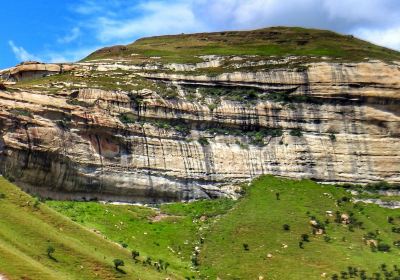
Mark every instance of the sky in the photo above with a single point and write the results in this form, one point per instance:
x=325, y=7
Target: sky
x=69, y=30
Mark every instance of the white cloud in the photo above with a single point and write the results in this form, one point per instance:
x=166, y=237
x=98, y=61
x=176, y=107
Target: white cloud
x=118, y=22
x=110, y=22
x=70, y=37
x=52, y=56
x=387, y=37
x=21, y=54
x=70, y=55
x=156, y=18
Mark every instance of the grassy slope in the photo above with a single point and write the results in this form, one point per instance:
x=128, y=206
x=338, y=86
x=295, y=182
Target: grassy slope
x=277, y=41
x=258, y=218
x=27, y=231
x=171, y=239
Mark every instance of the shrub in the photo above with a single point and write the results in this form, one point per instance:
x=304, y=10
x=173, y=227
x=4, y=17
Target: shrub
x=246, y=247
x=383, y=247
x=50, y=251
x=77, y=102
x=296, y=132
x=203, y=141
x=286, y=227
x=127, y=118
x=21, y=112
x=118, y=263
x=135, y=254
x=332, y=137
x=36, y=203
x=305, y=237
x=327, y=239
x=396, y=243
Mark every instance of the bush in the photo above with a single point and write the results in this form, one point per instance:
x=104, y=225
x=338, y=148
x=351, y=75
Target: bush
x=327, y=239
x=135, y=254
x=296, y=132
x=286, y=227
x=50, y=250
x=305, y=237
x=77, y=102
x=118, y=263
x=21, y=112
x=396, y=243
x=127, y=118
x=246, y=247
x=332, y=137
x=203, y=141
x=383, y=247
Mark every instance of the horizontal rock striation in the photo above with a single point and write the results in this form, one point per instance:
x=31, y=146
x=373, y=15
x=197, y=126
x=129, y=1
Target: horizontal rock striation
x=333, y=122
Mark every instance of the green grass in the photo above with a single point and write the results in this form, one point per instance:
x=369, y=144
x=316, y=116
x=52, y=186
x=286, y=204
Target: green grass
x=218, y=228
x=257, y=220
x=171, y=239
x=276, y=41
x=27, y=229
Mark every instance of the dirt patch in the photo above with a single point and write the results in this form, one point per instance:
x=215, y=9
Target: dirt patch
x=160, y=217
x=2, y=277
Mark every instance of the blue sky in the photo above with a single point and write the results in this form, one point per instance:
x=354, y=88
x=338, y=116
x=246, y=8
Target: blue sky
x=61, y=30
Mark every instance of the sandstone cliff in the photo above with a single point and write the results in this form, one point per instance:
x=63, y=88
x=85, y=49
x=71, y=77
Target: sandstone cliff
x=160, y=131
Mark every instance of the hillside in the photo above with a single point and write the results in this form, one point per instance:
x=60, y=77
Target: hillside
x=28, y=228
x=274, y=41
x=241, y=239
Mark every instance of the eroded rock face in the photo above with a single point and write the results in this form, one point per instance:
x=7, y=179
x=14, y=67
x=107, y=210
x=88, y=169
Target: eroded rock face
x=31, y=69
x=108, y=144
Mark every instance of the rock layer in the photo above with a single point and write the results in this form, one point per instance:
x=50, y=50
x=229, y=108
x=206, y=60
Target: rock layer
x=73, y=143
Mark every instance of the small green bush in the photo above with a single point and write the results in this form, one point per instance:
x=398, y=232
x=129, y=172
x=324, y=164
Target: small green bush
x=305, y=237
x=118, y=263
x=383, y=247
x=50, y=251
x=296, y=132
x=203, y=141
x=127, y=118
x=135, y=254
x=286, y=227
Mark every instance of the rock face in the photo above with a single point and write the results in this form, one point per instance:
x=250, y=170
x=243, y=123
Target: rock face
x=334, y=122
x=32, y=69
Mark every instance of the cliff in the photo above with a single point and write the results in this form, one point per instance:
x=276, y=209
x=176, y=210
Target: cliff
x=132, y=127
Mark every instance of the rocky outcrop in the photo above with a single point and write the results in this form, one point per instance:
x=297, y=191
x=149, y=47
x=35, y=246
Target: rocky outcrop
x=31, y=69
x=336, y=123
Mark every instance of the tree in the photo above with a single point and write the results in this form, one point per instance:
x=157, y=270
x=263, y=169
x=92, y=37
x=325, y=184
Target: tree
x=246, y=246
x=118, y=263
x=50, y=251
x=277, y=196
x=135, y=254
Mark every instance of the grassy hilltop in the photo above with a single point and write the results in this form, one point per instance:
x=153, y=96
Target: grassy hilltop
x=274, y=41
x=258, y=235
